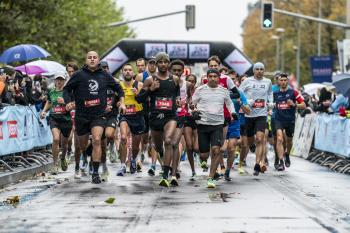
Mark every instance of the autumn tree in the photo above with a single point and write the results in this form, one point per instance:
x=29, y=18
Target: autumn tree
x=259, y=45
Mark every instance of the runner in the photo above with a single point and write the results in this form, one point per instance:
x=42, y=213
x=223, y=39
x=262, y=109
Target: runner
x=243, y=139
x=60, y=123
x=163, y=90
x=87, y=92
x=190, y=129
x=71, y=68
x=146, y=144
x=177, y=68
x=108, y=137
x=132, y=121
x=141, y=65
x=233, y=132
x=258, y=91
x=287, y=101
x=209, y=100
x=226, y=82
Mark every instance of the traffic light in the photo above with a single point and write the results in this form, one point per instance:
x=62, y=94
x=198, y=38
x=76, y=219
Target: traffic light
x=267, y=15
x=190, y=17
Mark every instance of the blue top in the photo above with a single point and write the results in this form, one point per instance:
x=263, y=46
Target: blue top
x=283, y=111
x=238, y=106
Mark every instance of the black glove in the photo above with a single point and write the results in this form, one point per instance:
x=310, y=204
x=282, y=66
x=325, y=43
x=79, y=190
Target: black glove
x=234, y=116
x=196, y=115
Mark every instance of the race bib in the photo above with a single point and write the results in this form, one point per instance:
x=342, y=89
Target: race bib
x=164, y=103
x=130, y=109
x=92, y=103
x=283, y=105
x=259, y=103
x=59, y=110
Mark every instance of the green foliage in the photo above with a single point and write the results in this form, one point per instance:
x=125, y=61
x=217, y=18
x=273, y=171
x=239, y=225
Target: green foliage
x=65, y=28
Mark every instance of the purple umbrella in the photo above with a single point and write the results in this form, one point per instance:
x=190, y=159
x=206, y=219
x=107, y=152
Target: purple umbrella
x=31, y=69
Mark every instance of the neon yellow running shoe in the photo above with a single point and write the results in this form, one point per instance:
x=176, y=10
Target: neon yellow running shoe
x=164, y=182
x=211, y=183
x=240, y=169
x=204, y=166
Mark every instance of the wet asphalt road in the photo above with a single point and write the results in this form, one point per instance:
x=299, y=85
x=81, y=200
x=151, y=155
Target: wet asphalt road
x=305, y=198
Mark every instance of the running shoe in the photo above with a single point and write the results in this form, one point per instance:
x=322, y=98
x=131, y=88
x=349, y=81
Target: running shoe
x=151, y=171
x=286, y=160
x=217, y=176
x=227, y=176
x=263, y=168
x=240, y=169
x=142, y=158
x=77, y=175
x=256, y=169
x=95, y=178
x=64, y=165
x=104, y=176
x=164, y=182
x=204, y=166
x=178, y=175
x=121, y=171
x=133, y=167
x=281, y=166
x=139, y=166
x=210, y=183
x=173, y=181
x=193, y=177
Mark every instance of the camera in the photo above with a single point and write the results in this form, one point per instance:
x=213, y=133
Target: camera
x=196, y=115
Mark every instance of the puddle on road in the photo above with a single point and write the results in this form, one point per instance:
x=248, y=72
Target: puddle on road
x=221, y=196
x=25, y=198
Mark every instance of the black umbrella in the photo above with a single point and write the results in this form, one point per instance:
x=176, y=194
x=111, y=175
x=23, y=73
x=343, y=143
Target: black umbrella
x=342, y=84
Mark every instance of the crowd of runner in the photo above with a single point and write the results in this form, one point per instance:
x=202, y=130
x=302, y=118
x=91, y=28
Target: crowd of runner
x=162, y=115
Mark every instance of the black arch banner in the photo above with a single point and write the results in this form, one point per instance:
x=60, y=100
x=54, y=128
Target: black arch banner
x=189, y=51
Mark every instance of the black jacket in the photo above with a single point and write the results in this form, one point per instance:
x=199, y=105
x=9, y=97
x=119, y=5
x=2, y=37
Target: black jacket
x=89, y=91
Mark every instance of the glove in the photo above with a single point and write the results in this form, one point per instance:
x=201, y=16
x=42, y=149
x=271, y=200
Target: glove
x=271, y=105
x=196, y=115
x=250, y=102
x=234, y=116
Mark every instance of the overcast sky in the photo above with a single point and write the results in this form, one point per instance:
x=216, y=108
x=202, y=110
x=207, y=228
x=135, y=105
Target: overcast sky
x=215, y=20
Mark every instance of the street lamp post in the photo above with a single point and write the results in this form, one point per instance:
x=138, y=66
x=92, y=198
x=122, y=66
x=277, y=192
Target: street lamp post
x=281, y=31
x=277, y=38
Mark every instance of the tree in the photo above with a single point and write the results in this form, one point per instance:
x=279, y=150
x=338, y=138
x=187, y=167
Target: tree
x=258, y=45
x=65, y=28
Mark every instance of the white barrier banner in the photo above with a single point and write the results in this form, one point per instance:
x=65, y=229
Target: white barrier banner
x=20, y=130
x=303, y=135
x=333, y=134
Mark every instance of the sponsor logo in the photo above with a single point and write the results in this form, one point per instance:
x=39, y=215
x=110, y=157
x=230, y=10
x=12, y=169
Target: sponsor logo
x=12, y=128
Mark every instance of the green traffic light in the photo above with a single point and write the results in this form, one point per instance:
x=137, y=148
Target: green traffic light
x=267, y=23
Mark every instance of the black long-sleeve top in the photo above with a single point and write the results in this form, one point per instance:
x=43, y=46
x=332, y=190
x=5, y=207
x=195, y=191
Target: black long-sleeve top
x=89, y=91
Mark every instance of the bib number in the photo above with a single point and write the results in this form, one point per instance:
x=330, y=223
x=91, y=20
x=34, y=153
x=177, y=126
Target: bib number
x=92, y=103
x=260, y=103
x=59, y=110
x=164, y=103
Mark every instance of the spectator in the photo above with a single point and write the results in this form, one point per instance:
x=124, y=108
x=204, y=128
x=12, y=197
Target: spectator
x=39, y=91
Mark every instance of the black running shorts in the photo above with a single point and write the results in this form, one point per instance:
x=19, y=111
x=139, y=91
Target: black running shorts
x=209, y=136
x=255, y=124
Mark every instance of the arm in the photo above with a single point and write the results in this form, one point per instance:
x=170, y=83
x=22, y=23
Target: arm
x=300, y=104
x=69, y=88
x=144, y=92
x=228, y=102
x=46, y=108
x=139, y=77
x=232, y=87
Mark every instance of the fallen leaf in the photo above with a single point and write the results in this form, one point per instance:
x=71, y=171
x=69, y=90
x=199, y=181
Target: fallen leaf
x=110, y=200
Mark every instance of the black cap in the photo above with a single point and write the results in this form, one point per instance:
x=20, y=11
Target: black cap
x=213, y=71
